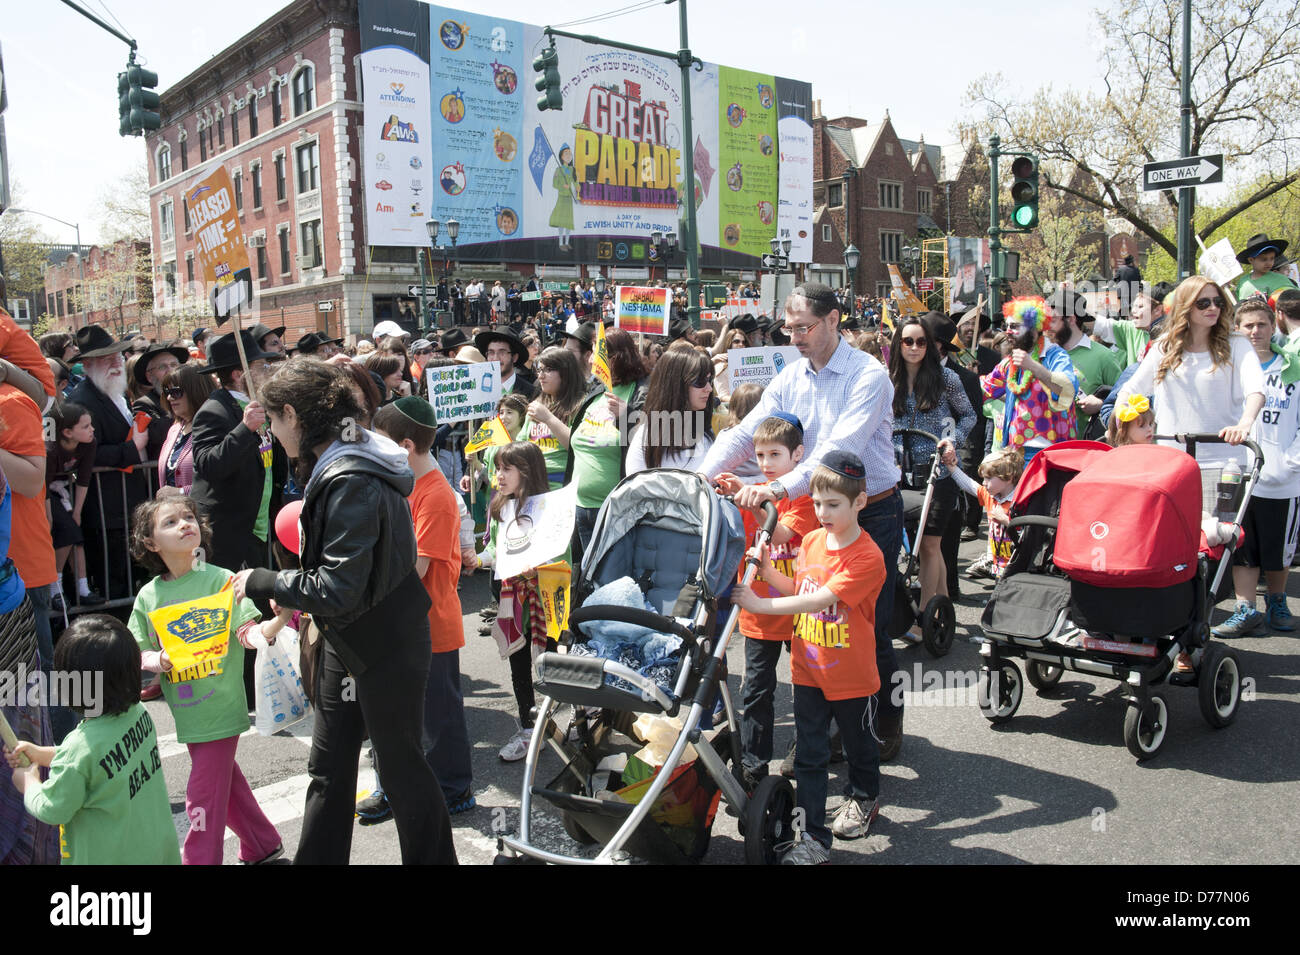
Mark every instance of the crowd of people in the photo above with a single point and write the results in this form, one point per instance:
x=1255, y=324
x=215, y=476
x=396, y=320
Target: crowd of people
x=142, y=475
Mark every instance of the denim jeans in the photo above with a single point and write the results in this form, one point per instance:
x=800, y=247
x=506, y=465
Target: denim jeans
x=883, y=520
x=812, y=724
x=756, y=722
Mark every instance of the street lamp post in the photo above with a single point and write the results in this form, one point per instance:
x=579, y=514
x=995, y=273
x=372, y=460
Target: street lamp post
x=851, y=258
x=81, y=259
x=433, y=226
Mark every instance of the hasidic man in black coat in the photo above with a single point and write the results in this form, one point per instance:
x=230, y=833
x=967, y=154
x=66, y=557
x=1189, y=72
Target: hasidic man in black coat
x=103, y=393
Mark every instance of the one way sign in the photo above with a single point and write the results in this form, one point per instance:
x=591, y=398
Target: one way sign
x=1178, y=173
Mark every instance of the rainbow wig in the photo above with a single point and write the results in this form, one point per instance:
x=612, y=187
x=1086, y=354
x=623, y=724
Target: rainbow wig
x=1019, y=312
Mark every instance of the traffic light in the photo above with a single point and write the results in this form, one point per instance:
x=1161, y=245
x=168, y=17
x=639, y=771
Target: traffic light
x=137, y=103
x=547, y=67
x=1024, y=192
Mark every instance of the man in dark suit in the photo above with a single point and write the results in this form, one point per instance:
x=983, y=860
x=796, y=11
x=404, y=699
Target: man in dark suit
x=239, y=471
x=506, y=347
x=120, y=445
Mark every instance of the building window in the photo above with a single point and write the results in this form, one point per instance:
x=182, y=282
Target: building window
x=58, y=298
x=308, y=162
x=279, y=177
x=185, y=205
x=889, y=149
x=169, y=278
x=284, y=250
x=835, y=194
x=203, y=147
x=49, y=304
x=310, y=243
x=166, y=222
x=189, y=270
x=221, y=133
x=261, y=262
x=211, y=146
x=882, y=290
x=891, y=246
x=252, y=116
x=234, y=129
x=256, y=170
x=164, y=164
x=239, y=191
x=923, y=201
x=304, y=91
x=185, y=156
x=891, y=195
x=826, y=233
x=276, y=112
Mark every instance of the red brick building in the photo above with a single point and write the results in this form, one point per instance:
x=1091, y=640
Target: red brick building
x=890, y=194
x=118, y=291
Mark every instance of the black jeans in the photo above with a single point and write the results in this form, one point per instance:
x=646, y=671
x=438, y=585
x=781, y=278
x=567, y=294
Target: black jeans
x=387, y=700
x=883, y=521
x=812, y=725
x=756, y=722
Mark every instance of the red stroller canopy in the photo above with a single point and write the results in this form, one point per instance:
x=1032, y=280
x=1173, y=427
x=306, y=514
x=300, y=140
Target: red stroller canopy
x=1068, y=456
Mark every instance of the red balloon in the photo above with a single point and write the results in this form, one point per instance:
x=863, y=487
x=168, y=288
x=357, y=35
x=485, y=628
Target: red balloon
x=286, y=525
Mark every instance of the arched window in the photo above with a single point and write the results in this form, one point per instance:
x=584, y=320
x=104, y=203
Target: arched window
x=304, y=91
x=164, y=163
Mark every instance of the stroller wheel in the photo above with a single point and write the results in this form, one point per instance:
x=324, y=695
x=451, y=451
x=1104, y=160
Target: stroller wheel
x=1145, y=724
x=769, y=820
x=1043, y=676
x=1219, y=686
x=999, y=692
x=938, y=625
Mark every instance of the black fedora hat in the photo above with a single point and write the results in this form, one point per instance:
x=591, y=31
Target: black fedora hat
x=308, y=344
x=223, y=353
x=94, y=341
x=260, y=331
x=746, y=323
x=517, y=347
x=452, y=339
x=585, y=333
x=1260, y=242
x=182, y=355
x=679, y=329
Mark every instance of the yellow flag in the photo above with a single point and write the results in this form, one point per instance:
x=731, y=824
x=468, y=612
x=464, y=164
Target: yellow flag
x=490, y=434
x=600, y=361
x=553, y=585
x=885, y=320
x=195, y=634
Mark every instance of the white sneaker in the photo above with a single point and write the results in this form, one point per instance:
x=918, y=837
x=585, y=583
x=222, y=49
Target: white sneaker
x=854, y=818
x=517, y=746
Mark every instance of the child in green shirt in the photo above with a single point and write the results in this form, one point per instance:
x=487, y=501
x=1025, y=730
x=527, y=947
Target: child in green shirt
x=105, y=784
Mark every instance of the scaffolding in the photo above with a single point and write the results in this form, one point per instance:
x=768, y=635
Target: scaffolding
x=931, y=250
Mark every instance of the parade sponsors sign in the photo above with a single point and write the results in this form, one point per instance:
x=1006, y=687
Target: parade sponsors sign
x=1219, y=262
x=641, y=309
x=538, y=535
x=219, y=243
x=465, y=392
x=759, y=365
x=794, y=219
x=397, y=130
x=747, y=131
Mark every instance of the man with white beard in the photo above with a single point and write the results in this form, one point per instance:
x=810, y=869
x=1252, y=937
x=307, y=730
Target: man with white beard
x=120, y=445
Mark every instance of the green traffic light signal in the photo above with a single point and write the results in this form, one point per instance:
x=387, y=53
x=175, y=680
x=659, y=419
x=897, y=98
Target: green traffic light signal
x=547, y=66
x=137, y=104
x=1024, y=192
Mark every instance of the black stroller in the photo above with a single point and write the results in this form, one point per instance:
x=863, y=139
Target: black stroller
x=938, y=618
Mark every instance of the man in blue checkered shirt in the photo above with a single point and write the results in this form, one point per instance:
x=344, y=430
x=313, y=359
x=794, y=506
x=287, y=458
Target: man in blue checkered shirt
x=844, y=399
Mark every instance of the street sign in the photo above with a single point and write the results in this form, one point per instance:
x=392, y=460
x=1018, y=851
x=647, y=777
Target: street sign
x=925, y=285
x=414, y=290
x=324, y=306
x=775, y=261
x=1178, y=173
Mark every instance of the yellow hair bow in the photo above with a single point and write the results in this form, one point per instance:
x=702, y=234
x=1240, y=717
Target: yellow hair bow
x=1134, y=406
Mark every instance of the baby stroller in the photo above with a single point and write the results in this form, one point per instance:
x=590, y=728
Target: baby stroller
x=938, y=618
x=682, y=543
x=1110, y=576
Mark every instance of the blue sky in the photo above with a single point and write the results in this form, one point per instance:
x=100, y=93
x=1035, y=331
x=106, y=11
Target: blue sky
x=61, y=69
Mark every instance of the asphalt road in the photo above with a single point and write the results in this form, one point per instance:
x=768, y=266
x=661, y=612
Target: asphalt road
x=1054, y=785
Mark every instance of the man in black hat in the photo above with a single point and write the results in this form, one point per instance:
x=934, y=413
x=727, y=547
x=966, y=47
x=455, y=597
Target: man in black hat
x=680, y=328
x=120, y=445
x=155, y=364
x=269, y=339
x=506, y=347
x=317, y=345
x=451, y=341
x=1128, y=282
x=1261, y=253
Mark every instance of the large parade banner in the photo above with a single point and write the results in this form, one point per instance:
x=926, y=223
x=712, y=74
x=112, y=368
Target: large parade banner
x=452, y=130
x=220, y=253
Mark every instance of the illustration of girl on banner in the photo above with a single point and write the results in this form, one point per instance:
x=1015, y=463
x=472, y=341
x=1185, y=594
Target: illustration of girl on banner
x=565, y=181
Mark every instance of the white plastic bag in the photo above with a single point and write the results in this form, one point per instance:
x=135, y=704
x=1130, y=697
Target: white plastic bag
x=281, y=701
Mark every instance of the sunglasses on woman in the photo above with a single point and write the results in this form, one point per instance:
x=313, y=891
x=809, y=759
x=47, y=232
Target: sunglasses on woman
x=1204, y=303
x=914, y=342
x=702, y=383
x=175, y=393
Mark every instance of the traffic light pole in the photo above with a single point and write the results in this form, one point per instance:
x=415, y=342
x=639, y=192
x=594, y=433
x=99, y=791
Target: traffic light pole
x=100, y=23
x=995, y=236
x=686, y=62
x=1186, y=195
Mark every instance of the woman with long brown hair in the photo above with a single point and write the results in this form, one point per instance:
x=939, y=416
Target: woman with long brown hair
x=551, y=415
x=676, y=430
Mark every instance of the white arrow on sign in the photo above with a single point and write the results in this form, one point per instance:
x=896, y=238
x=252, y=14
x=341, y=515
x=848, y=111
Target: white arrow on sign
x=1192, y=171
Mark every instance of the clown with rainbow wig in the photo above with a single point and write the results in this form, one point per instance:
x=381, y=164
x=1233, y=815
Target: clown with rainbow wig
x=1037, y=380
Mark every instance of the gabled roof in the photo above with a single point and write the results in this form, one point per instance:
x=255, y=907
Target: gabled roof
x=856, y=144
x=933, y=154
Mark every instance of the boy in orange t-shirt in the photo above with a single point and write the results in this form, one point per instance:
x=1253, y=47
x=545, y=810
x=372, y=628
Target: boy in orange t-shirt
x=838, y=575
x=410, y=423
x=778, y=447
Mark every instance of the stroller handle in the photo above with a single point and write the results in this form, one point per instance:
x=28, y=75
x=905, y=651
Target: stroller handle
x=634, y=616
x=769, y=518
x=1212, y=437
x=903, y=432
x=1032, y=520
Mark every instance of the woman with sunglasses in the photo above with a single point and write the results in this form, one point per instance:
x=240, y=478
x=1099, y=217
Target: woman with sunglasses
x=184, y=390
x=677, y=430
x=928, y=397
x=1201, y=377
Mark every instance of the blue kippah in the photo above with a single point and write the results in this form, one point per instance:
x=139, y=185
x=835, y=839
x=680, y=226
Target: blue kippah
x=788, y=419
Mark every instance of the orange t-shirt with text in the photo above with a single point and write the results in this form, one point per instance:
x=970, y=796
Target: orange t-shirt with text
x=30, y=545
x=798, y=515
x=437, y=537
x=835, y=649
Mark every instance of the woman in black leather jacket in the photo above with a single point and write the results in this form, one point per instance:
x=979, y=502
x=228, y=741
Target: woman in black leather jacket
x=358, y=582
